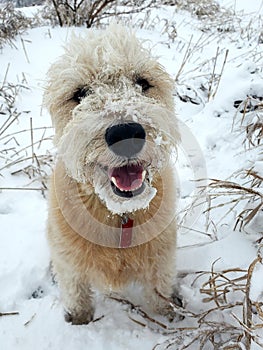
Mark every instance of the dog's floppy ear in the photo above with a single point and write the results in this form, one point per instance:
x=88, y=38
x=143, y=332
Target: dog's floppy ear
x=68, y=81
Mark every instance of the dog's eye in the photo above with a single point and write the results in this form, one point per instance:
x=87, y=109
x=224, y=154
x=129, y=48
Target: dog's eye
x=144, y=83
x=80, y=93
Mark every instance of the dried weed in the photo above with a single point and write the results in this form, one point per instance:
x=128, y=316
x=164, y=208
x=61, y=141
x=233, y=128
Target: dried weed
x=12, y=23
x=231, y=323
x=17, y=158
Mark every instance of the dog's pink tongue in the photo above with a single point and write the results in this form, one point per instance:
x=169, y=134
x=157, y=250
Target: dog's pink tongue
x=127, y=178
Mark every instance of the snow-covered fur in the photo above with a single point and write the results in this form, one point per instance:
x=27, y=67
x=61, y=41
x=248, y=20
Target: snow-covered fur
x=106, y=79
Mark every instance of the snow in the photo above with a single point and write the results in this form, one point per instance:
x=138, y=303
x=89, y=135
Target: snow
x=245, y=6
x=213, y=129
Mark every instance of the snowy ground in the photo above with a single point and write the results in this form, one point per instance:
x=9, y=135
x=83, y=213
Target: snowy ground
x=26, y=284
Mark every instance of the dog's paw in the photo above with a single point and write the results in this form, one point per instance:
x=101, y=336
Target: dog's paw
x=176, y=299
x=174, y=316
x=172, y=308
x=79, y=318
x=171, y=314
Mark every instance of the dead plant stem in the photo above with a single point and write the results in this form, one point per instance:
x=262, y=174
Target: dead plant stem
x=185, y=58
x=221, y=73
x=210, y=84
x=24, y=48
x=6, y=73
x=249, y=313
x=32, y=140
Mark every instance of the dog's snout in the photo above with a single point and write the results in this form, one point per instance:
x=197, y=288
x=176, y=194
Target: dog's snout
x=125, y=139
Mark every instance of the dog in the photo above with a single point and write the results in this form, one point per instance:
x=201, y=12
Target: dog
x=112, y=195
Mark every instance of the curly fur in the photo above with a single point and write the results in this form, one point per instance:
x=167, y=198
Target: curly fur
x=84, y=213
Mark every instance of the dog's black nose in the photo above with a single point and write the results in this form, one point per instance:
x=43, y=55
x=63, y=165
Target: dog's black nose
x=125, y=139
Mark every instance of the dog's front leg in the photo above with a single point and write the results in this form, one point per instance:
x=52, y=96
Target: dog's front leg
x=159, y=287
x=76, y=294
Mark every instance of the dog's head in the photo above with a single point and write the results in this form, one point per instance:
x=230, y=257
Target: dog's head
x=112, y=107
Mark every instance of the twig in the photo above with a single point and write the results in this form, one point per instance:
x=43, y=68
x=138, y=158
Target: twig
x=32, y=139
x=9, y=313
x=25, y=130
x=185, y=58
x=140, y=312
x=24, y=80
x=98, y=319
x=30, y=146
x=248, y=319
x=24, y=48
x=6, y=73
x=221, y=73
x=4, y=127
x=30, y=320
x=212, y=75
x=213, y=284
x=22, y=189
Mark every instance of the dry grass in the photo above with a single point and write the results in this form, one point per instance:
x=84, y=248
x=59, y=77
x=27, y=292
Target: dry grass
x=202, y=9
x=249, y=120
x=16, y=158
x=235, y=321
x=9, y=313
x=246, y=199
x=230, y=290
x=90, y=13
x=12, y=23
x=231, y=319
x=242, y=194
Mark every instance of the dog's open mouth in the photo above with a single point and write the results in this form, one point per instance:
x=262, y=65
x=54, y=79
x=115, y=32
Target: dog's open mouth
x=127, y=181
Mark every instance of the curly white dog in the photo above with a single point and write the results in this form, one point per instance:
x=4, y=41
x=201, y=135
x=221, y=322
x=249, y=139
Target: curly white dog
x=112, y=195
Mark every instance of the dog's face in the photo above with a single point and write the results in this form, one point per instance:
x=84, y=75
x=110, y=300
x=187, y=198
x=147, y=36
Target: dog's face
x=112, y=108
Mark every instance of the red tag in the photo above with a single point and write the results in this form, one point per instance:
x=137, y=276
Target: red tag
x=126, y=234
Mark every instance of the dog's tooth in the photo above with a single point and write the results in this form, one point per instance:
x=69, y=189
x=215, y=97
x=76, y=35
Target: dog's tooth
x=114, y=181
x=143, y=175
